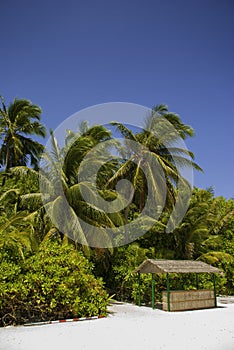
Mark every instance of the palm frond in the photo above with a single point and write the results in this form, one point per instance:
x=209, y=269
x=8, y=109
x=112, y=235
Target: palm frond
x=9, y=195
x=120, y=173
x=17, y=218
x=126, y=132
x=65, y=219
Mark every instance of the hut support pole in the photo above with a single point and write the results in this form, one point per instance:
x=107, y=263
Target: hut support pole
x=153, y=291
x=168, y=293
x=139, y=289
x=214, y=282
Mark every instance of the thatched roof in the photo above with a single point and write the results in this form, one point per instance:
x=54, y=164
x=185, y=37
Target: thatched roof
x=175, y=266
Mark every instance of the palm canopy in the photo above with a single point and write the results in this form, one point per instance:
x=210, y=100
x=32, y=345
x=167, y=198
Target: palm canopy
x=79, y=145
x=72, y=194
x=160, y=141
x=18, y=122
x=63, y=190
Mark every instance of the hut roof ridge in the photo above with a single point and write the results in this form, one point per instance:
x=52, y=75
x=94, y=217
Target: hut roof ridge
x=176, y=266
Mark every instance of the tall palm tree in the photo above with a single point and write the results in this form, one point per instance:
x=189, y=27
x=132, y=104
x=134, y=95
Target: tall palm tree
x=79, y=144
x=159, y=137
x=17, y=122
x=62, y=192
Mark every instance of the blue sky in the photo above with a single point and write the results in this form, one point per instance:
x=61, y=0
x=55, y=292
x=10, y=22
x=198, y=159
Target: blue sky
x=69, y=55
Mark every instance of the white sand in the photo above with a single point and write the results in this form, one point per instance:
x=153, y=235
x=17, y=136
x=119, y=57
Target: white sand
x=131, y=327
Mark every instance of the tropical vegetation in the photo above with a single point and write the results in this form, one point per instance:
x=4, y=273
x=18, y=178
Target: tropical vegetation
x=18, y=121
x=52, y=262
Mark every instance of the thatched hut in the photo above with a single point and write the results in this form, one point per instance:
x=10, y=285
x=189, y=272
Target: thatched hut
x=180, y=300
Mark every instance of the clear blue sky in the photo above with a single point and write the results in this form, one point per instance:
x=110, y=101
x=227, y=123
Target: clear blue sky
x=68, y=55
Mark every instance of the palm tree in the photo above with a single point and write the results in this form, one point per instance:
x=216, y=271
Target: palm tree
x=62, y=192
x=195, y=228
x=17, y=237
x=17, y=121
x=159, y=140
x=220, y=221
x=23, y=220
x=17, y=233
x=79, y=144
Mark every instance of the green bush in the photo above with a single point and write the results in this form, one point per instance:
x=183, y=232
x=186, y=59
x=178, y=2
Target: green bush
x=224, y=261
x=122, y=281
x=55, y=283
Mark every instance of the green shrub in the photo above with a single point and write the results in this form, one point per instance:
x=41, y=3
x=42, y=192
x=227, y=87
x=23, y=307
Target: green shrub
x=55, y=283
x=122, y=281
x=224, y=261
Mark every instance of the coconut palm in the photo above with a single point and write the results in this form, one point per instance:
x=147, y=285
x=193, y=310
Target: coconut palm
x=17, y=233
x=18, y=121
x=220, y=221
x=159, y=140
x=17, y=236
x=194, y=228
x=79, y=144
x=62, y=192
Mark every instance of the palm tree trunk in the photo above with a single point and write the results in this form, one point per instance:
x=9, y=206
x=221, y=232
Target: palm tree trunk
x=7, y=166
x=7, y=161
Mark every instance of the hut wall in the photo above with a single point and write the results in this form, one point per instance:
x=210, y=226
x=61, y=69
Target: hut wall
x=189, y=300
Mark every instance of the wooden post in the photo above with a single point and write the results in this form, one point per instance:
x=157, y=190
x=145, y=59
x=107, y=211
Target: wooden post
x=214, y=282
x=153, y=291
x=139, y=289
x=168, y=293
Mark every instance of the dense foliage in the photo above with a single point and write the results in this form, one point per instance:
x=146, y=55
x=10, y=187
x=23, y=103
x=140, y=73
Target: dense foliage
x=55, y=283
x=206, y=233
x=46, y=273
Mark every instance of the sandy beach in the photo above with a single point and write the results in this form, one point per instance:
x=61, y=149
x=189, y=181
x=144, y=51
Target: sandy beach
x=132, y=327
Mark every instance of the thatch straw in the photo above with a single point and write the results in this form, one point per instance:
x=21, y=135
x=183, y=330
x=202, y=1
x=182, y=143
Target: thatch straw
x=176, y=266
